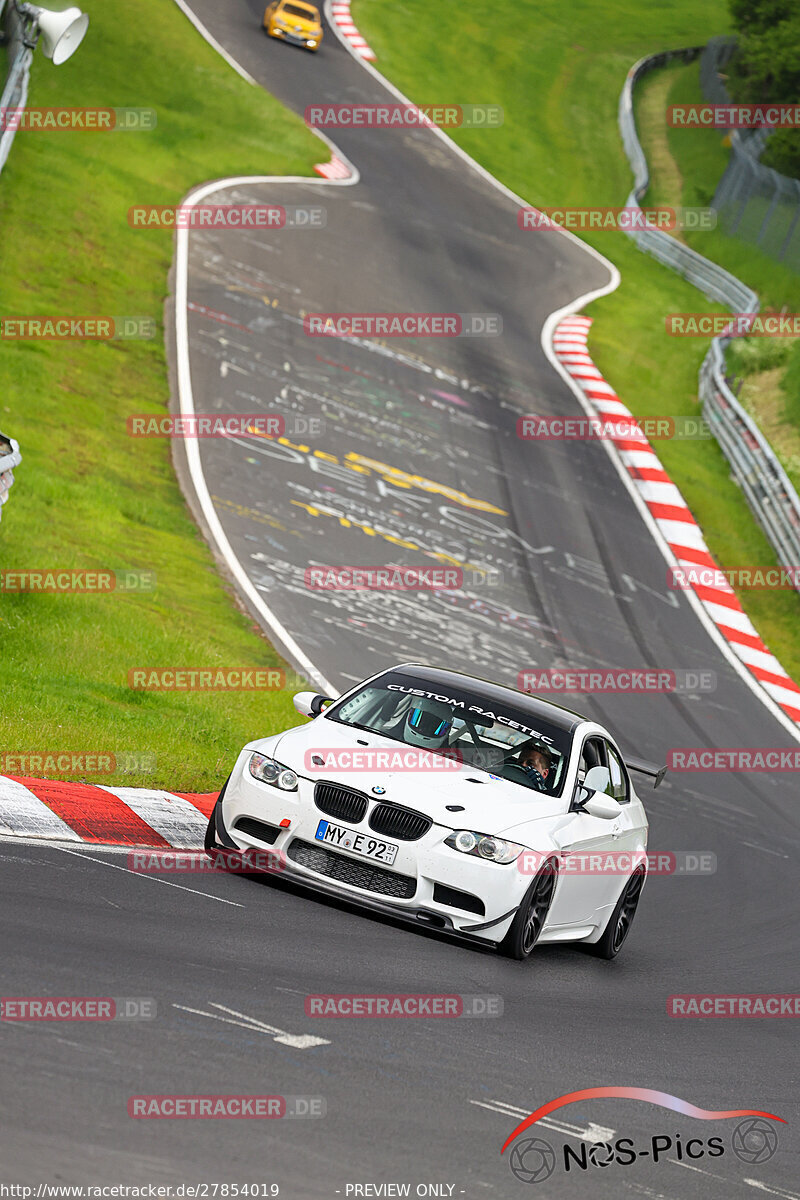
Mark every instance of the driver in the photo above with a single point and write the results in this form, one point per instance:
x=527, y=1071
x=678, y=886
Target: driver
x=428, y=724
x=537, y=765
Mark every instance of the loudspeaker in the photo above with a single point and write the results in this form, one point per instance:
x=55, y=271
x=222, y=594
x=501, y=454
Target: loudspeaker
x=61, y=32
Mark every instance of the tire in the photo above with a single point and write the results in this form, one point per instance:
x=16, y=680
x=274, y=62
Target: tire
x=531, y=915
x=621, y=919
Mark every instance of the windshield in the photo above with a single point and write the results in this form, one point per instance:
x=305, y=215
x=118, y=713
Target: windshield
x=500, y=740
x=292, y=10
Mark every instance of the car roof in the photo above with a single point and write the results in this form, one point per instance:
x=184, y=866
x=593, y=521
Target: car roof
x=556, y=714
x=302, y=4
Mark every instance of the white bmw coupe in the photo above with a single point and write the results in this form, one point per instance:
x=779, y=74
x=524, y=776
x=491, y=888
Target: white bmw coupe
x=457, y=804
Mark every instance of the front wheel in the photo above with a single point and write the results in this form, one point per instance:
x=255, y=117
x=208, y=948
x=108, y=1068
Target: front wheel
x=531, y=914
x=620, y=921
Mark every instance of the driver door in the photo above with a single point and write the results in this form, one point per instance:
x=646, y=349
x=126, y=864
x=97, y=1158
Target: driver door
x=588, y=887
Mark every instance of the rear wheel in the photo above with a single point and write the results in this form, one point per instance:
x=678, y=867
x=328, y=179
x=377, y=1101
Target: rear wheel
x=531, y=914
x=620, y=921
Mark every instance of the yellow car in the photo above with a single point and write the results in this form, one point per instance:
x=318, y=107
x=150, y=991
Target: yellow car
x=294, y=21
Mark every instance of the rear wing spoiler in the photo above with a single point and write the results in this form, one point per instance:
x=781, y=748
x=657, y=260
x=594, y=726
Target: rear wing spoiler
x=646, y=768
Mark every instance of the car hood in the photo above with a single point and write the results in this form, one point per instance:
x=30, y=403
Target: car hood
x=490, y=804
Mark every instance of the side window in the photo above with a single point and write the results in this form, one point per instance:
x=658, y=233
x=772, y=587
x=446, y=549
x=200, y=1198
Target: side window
x=619, y=777
x=592, y=755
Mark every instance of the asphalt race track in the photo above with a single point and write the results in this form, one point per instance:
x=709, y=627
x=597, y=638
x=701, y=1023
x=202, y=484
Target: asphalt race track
x=563, y=571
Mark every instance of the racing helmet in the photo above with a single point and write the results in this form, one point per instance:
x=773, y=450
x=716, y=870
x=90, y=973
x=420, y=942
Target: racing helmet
x=428, y=723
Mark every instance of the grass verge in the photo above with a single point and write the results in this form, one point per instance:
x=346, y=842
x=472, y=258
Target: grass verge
x=86, y=495
x=558, y=70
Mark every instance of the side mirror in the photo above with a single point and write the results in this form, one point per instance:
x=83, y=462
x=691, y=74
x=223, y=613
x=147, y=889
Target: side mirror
x=309, y=704
x=597, y=779
x=590, y=796
x=605, y=807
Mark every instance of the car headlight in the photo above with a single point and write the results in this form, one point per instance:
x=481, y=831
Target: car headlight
x=483, y=845
x=268, y=771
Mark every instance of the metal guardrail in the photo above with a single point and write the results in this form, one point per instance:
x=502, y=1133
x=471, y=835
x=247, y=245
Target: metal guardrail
x=766, y=487
x=15, y=89
x=10, y=457
x=765, y=484
x=753, y=202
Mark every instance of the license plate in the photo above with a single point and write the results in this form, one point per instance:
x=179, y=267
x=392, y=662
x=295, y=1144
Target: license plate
x=340, y=838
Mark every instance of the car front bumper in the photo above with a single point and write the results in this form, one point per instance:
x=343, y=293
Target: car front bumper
x=295, y=39
x=425, y=872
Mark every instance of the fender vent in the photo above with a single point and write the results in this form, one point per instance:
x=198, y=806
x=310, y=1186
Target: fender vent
x=257, y=829
x=456, y=899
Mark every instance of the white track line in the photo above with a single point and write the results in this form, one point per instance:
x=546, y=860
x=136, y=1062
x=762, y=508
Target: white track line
x=153, y=878
x=186, y=395
x=773, y=1191
x=212, y=41
x=591, y=1133
x=12, y=840
x=298, y=1041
